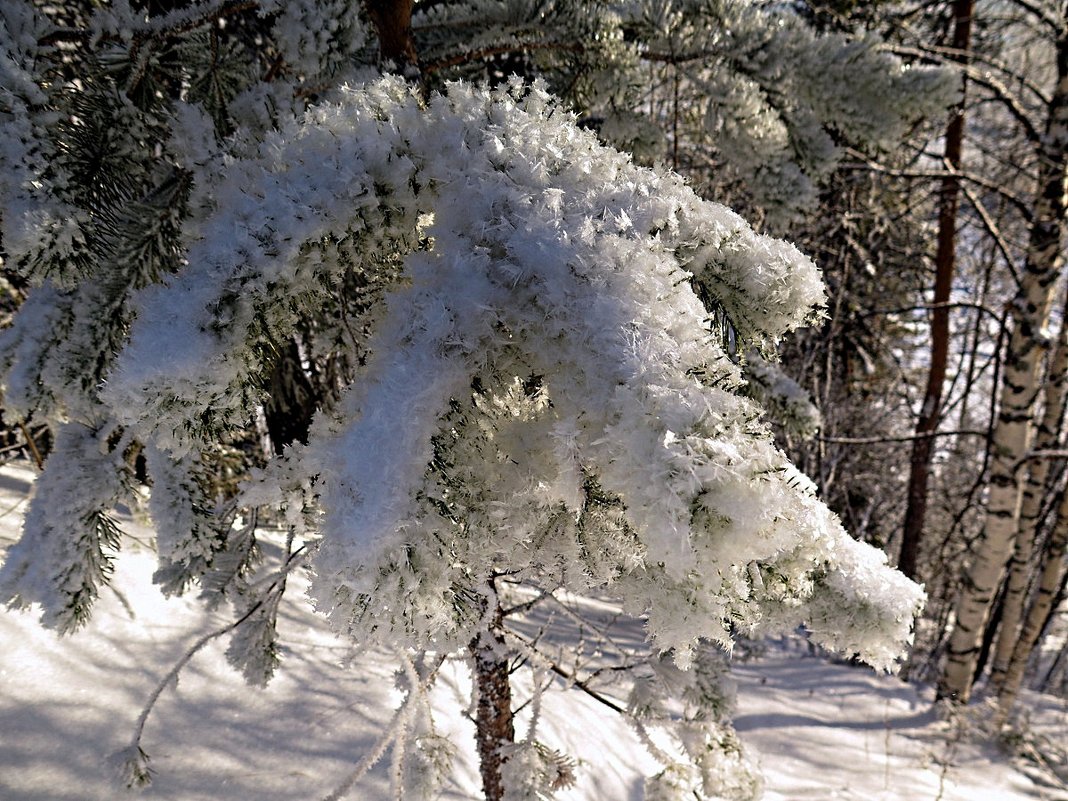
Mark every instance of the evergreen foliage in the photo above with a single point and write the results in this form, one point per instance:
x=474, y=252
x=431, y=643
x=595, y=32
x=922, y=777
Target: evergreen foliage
x=511, y=336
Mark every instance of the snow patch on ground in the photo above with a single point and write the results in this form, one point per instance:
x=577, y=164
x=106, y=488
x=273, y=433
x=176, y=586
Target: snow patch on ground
x=833, y=731
x=821, y=730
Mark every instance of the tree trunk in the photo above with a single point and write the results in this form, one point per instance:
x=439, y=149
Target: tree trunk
x=1058, y=661
x=1049, y=586
x=945, y=260
x=990, y=631
x=1034, y=493
x=1019, y=388
x=291, y=402
x=494, y=724
x=393, y=24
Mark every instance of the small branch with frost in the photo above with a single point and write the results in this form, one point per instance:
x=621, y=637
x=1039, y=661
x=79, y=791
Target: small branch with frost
x=132, y=761
x=397, y=726
x=571, y=679
x=966, y=432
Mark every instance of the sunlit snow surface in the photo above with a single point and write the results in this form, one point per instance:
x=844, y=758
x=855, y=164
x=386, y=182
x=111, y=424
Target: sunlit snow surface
x=820, y=730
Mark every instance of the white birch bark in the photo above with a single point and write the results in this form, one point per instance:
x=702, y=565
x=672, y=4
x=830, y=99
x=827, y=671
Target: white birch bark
x=1049, y=583
x=1034, y=493
x=1020, y=386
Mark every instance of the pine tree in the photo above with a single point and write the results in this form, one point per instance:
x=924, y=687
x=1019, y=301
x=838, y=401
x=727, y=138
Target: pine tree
x=515, y=341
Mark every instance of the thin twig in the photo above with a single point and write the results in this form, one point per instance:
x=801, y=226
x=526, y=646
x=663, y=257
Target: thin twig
x=982, y=78
x=953, y=304
x=971, y=57
x=1049, y=453
x=32, y=445
x=967, y=432
x=397, y=725
x=572, y=680
x=172, y=674
x=393, y=730
x=864, y=163
x=993, y=230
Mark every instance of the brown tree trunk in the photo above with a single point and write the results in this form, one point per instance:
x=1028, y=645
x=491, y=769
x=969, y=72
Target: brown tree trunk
x=494, y=723
x=945, y=261
x=393, y=24
x=291, y=402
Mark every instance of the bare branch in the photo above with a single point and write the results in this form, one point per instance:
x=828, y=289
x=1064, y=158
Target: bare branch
x=864, y=163
x=956, y=304
x=985, y=79
x=1049, y=453
x=961, y=58
x=967, y=432
x=995, y=233
x=1041, y=14
x=571, y=679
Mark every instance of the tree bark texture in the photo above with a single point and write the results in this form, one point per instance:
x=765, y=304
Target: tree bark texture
x=1050, y=583
x=494, y=723
x=945, y=261
x=1034, y=493
x=1019, y=388
x=393, y=24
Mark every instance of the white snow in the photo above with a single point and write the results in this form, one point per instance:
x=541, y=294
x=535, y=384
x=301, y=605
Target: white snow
x=832, y=731
x=820, y=730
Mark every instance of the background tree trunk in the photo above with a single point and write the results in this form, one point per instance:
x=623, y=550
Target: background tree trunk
x=1050, y=583
x=1019, y=388
x=1034, y=493
x=945, y=261
x=393, y=24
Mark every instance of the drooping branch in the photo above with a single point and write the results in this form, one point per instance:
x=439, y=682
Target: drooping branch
x=133, y=760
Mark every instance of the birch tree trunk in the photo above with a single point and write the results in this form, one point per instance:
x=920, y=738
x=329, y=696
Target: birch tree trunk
x=945, y=261
x=1019, y=388
x=1034, y=493
x=1049, y=585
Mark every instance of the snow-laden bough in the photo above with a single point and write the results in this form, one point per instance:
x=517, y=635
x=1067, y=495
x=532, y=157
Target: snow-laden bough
x=544, y=397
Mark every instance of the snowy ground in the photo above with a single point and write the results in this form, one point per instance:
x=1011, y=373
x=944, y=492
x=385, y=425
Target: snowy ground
x=820, y=730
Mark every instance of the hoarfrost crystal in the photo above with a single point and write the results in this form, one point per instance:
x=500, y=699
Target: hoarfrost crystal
x=543, y=392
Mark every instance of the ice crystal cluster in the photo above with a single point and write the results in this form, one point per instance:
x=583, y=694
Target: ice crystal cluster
x=516, y=334
x=544, y=397
x=766, y=99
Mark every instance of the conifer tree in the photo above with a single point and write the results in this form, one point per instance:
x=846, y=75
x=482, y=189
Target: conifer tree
x=516, y=342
